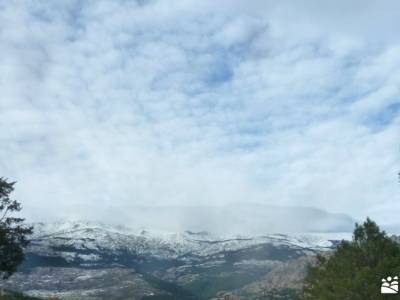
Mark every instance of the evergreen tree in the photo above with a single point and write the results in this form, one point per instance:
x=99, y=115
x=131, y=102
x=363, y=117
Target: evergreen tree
x=13, y=233
x=356, y=269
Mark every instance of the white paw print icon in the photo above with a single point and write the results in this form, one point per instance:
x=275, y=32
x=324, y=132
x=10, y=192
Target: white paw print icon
x=390, y=285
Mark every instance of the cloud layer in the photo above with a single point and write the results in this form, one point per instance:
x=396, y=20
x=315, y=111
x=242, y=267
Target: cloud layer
x=106, y=105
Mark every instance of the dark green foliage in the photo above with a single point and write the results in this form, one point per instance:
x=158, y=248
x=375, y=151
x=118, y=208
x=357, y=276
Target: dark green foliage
x=13, y=233
x=355, y=270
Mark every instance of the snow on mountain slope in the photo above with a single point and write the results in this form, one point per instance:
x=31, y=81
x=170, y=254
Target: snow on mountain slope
x=94, y=237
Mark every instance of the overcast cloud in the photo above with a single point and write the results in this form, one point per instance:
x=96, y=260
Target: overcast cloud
x=113, y=104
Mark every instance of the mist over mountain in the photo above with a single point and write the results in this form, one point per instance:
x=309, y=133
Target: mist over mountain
x=243, y=218
x=227, y=219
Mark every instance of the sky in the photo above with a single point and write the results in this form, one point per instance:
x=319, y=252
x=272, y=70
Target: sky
x=108, y=105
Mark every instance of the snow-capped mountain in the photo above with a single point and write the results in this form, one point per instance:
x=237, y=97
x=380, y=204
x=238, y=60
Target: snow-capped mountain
x=69, y=259
x=165, y=245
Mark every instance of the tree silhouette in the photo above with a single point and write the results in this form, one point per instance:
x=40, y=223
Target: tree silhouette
x=13, y=232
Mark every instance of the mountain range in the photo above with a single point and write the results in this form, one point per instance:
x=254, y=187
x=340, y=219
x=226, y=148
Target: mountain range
x=88, y=260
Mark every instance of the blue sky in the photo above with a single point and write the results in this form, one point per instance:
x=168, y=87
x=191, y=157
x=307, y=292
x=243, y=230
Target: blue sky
x=116, y=104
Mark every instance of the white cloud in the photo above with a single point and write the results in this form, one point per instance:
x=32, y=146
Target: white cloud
x=182, y=102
